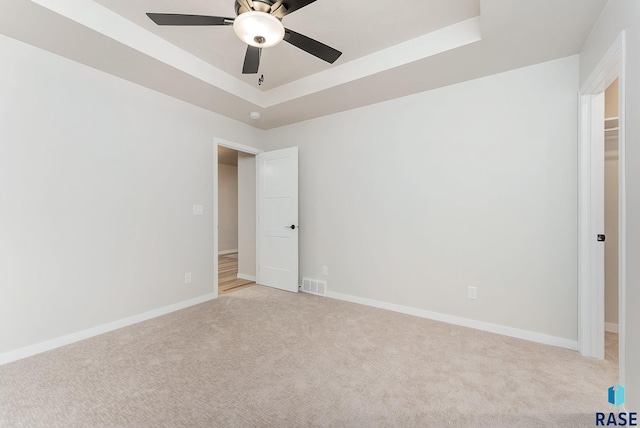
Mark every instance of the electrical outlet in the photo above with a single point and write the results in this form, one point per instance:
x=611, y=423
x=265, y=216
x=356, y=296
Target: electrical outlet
x=187, y=278
x=325, y=270
x=472, y=292
x=198, y=210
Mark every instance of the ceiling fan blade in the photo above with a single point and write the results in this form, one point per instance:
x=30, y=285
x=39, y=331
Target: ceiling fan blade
x=178, y=19
x=251, y=60
x=293, y=5
x=311, y=46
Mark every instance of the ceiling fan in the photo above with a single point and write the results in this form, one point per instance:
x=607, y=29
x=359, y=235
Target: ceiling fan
x=258, y=24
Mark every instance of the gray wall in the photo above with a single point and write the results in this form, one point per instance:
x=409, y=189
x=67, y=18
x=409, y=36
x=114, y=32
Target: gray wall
x=227, y=208
x=411, y=201
x=98, y=178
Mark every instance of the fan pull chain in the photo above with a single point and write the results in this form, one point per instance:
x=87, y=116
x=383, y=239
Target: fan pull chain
x=261, y=78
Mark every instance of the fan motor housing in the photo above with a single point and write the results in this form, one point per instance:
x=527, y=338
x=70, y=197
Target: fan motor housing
x=274, y=8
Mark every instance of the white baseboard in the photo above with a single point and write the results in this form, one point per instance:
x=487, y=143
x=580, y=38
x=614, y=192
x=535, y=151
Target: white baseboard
x=58, y=342
x=611, y=327
x=464, y=322
x=224, y=252
x=247, y=277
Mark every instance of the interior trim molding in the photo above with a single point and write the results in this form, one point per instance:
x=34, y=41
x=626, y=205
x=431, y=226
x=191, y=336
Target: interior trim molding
x=225, y=252
x=591, y=321
x=234, y=146
x=464, y=322
x=436, y=42
x=611, y=327
x=68, y=339
x=247, y=277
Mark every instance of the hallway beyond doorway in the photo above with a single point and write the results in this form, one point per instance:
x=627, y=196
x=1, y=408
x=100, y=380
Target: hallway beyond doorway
x=228, y=280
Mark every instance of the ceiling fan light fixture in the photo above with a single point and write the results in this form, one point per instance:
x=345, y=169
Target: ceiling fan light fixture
x=258, y=29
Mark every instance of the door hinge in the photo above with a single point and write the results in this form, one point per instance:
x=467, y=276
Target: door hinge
x=601, y=238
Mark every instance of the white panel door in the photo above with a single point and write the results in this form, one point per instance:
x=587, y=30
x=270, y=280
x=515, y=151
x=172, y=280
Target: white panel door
x=278, y=219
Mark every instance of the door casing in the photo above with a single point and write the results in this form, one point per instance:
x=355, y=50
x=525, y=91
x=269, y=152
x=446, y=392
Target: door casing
x=590, y=281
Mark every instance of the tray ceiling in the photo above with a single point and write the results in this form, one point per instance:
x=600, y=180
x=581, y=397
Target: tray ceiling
x=390, y=48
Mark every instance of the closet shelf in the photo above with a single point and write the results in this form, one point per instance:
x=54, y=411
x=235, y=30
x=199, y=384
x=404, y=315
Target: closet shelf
x=611, y=123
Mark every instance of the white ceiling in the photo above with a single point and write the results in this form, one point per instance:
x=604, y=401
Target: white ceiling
x=390, y=48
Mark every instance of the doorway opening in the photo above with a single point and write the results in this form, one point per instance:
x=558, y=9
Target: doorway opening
x=234, y=216
x=236, y=220
x=611, y=169
x=267, y=220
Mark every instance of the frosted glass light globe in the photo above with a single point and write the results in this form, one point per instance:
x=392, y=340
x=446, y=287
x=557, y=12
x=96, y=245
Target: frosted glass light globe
x=259, y=29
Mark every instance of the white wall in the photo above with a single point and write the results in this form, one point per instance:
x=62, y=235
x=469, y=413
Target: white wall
x=227, y=208
x=625, y=15
x=98, y=177
x=246, y=214
x=413, y=200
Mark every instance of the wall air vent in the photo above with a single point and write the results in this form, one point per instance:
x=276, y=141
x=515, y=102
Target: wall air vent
x=314, y=286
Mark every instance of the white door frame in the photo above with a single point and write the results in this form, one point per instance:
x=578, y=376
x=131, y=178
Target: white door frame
x=240, y=148
x=590, y=290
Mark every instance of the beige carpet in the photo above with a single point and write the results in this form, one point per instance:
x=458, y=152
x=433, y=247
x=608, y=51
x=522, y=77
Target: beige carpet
x=266, y=358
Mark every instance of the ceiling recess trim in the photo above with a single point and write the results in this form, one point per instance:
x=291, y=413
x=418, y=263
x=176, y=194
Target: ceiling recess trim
x=108, y=23
x=104, y=21
x=439, y=41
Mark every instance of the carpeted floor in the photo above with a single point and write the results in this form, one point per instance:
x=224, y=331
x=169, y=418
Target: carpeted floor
x=266, y=358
